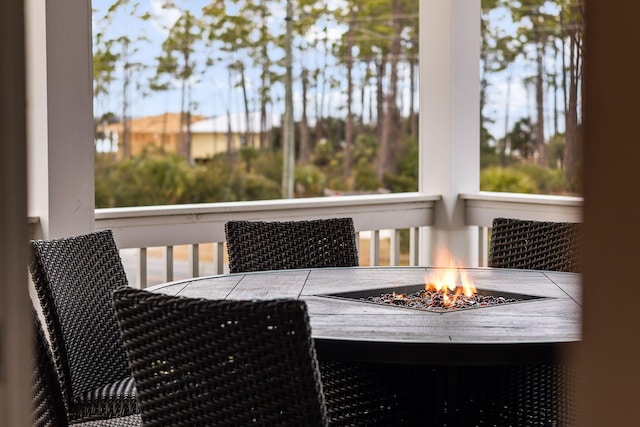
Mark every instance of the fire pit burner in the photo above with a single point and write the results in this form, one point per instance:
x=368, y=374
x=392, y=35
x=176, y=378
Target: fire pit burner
x=416, y=297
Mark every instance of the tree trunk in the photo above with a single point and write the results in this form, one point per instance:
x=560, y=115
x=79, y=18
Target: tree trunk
x=288, y=139
x=391, y=120
x=182, y=140
x=413, y=117
x=380, y=67
x=304, y=154
x=572, y=152
x=265, y=138
x=348, y=139
x=126, y=133
x=247, y=114
x=539, y=129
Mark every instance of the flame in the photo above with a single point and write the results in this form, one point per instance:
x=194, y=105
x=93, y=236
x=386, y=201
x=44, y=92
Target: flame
x=450, y=280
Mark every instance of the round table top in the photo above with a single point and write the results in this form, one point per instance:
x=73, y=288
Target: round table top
x=535, y=330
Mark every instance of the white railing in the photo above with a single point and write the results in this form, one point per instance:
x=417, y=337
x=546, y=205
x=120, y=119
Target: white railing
x=165, y=228
x=185, y=241
x=163, y=243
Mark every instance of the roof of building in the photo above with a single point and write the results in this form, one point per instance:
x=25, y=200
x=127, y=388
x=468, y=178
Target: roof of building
x=237, y=122
x=167, y=122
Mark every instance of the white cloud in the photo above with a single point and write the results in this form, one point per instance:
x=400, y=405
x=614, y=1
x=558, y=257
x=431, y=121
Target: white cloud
x=162, y=18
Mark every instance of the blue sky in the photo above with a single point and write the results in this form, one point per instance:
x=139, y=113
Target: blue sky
x=212, y=95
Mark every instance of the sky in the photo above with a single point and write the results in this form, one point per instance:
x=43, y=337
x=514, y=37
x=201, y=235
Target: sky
x=213, y=94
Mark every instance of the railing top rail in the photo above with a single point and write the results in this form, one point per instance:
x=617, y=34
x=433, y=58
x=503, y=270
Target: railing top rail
x=150, y=226
x=482, y=207
x=264, y=205
x=542, y=199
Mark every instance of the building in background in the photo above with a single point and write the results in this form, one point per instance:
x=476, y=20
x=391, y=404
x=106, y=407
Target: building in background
x=144, y=133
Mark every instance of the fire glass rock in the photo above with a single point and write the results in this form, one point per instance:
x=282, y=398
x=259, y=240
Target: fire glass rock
x=439, y=300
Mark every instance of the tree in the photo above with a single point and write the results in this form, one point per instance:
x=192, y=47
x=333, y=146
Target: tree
x=497, y=51
x=572, y=24
x=113, y=54
x=177, y=62
x=523, y=137
x=309, y=12
x=537, y=26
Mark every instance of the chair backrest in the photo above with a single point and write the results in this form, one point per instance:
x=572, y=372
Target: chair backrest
x=210, y=362
x=535, y=245
x=74, y=278
x=280, y=245
x=48, y=403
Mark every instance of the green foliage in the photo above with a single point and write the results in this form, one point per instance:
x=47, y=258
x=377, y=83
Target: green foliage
x=269, y=165
x=151, y=178
x=248, y=155
x=524, y=178
x=365, y=177
x=407, y=177
x=254, y=187
x=556, y=151
x=210, y=182
x=309, y=181
x=158, y=178
x=548, y=180
x=506, y=180
x=365, y=149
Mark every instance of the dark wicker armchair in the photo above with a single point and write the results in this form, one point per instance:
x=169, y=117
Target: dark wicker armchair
x=208, y=362
x=74, y=278
x=48, y=403
x=280, y=245
x=535, y=245
x=356, y=393
x=547, y=391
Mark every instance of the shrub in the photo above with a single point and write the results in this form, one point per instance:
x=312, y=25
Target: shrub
x=506, y=180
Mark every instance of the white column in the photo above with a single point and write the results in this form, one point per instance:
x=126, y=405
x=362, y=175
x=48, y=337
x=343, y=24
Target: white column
x=60, y=116
x=449, y=122
x=15, y=316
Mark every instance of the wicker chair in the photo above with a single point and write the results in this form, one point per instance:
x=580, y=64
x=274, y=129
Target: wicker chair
x=74, y=278
x=208, y=362
x=543, y=394
x=535, y=245
x=262, y=245
x=48, y=403
x=356, y=393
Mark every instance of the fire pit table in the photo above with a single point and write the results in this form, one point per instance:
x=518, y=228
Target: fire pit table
x=385, y=363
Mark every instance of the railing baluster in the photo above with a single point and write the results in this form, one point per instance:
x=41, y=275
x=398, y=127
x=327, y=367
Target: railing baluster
x=218, y=257
x=374, y=248
x=413, y=246
x=394, y=247
x=194, y=260
x=168, y=263
x=141, y=268
x=483, y=249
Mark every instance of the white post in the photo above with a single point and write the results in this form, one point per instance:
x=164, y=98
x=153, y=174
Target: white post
x=60, y=116
x=449, y=122
x=16, y=322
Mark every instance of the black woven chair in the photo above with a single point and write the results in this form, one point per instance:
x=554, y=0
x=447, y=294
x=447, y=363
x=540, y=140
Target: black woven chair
x=280, y=245
x=356, y=393
x=542, y=394
x=535, y=245
x=74, y=278
x=48, y=403
x=208, y=362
